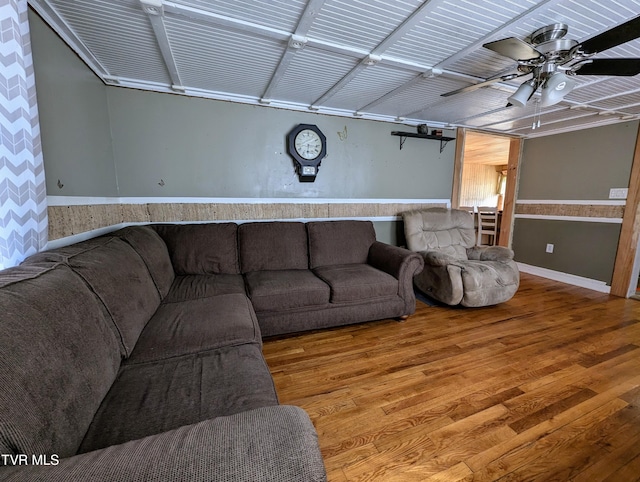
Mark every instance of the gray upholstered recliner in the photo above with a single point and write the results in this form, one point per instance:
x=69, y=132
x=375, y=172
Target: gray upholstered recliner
x=456, y=271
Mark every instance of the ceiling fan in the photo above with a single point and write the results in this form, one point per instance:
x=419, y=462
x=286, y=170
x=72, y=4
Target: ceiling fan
x=551, y=60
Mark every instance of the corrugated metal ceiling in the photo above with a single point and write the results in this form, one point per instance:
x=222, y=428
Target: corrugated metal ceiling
x=379, y=59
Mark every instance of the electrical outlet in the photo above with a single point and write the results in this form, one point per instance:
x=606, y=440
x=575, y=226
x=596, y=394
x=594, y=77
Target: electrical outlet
x=549, y=248
x=618, y=193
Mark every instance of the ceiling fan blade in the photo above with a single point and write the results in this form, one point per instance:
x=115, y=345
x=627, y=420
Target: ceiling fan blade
x=625, y=32
x=472, y=87
x=625, y=67
x=514, y=48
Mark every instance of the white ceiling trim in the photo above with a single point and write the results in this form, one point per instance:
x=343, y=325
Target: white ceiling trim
x=154, y=10
x=256, y=51
x=69, y=36
x=297, y=42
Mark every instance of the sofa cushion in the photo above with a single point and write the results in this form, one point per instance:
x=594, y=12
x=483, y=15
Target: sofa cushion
x=273, y=246
x=285, y=289
x=339, y=242
x=119, y=278
x=209, y=248
x=488, y=282
x=59, y=355
x=194, y=286
x=267, y=444
x=449, y=231
x=153, y=251
x=357, y=282
x=197, y=325
x=151, y=398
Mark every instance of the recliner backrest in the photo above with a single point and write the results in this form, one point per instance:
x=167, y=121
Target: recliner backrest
x=449, y=231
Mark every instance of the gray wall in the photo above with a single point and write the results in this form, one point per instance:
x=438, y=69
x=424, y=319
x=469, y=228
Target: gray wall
x=74, y=119
x=101, y=141
x=580, y=165
x=208, y=148
x=110, y=141
x=580, y=248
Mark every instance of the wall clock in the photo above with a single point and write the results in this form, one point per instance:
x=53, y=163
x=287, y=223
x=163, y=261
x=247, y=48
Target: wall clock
x=308, y=146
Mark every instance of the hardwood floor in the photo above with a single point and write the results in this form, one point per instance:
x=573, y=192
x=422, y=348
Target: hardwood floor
x=545, y=387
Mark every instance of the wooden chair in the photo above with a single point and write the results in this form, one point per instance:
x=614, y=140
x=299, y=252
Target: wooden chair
x=487, y=225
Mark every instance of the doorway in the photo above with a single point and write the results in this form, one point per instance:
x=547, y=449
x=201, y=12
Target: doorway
x=486, y=174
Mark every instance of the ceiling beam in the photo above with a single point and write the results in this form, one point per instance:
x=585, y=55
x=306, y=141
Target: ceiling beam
x=368, y=61
x=285, y=36
x=155, y=11
x=297, y=41
x=495, y=33
x=375, y=56
x=401, y=88
x=409, y=23
x=414, y=19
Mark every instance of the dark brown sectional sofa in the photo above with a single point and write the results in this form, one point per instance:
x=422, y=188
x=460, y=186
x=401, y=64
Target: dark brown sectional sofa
x=137, y=355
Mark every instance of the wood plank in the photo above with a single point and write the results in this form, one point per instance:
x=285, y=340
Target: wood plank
x=630, y=232
x=543, y=387
x=508, y=210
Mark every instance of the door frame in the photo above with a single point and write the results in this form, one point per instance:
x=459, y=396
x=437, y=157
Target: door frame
x=628, y=244
x=513, y=172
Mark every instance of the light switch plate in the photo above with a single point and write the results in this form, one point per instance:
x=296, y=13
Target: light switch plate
x=618, y=193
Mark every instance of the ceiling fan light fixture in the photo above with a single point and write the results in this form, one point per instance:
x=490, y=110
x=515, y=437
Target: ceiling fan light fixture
x=555, y=88
x=520, y=97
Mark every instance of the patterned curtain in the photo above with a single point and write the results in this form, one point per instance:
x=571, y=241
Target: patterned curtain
x=23, y=197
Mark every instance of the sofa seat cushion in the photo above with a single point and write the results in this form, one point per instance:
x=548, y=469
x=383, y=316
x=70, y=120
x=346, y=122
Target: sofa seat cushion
x=195, y=286
x=194, y=326
x=285, y=289
x=357, y=282
x=151, y=398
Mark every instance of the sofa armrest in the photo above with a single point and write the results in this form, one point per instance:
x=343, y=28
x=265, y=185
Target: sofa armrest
x=268, y=444
x=490, y=253
x=400, y=263
x=394, y=260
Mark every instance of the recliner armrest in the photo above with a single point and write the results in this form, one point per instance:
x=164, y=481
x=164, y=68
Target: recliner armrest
x=490, y=253
x=438, y=258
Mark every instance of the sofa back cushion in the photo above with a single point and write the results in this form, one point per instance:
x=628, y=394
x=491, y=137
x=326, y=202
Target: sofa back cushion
x=210, y=248
x=449, y=231
x=153, y=251
x=118, y=276
x=59, y=355
x=273, y=246
x=339, y=242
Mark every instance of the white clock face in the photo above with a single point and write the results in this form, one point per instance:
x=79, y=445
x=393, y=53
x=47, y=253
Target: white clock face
x=308, y=144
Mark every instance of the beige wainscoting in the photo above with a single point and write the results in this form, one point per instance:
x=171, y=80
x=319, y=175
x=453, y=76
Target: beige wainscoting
x=587, y=210
x=74, y=219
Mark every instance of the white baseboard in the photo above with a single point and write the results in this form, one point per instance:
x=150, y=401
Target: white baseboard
x=571, y=279
x=76, y=238
x=93, y=200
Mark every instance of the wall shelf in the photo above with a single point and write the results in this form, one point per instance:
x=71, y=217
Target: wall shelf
x=403, y=137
